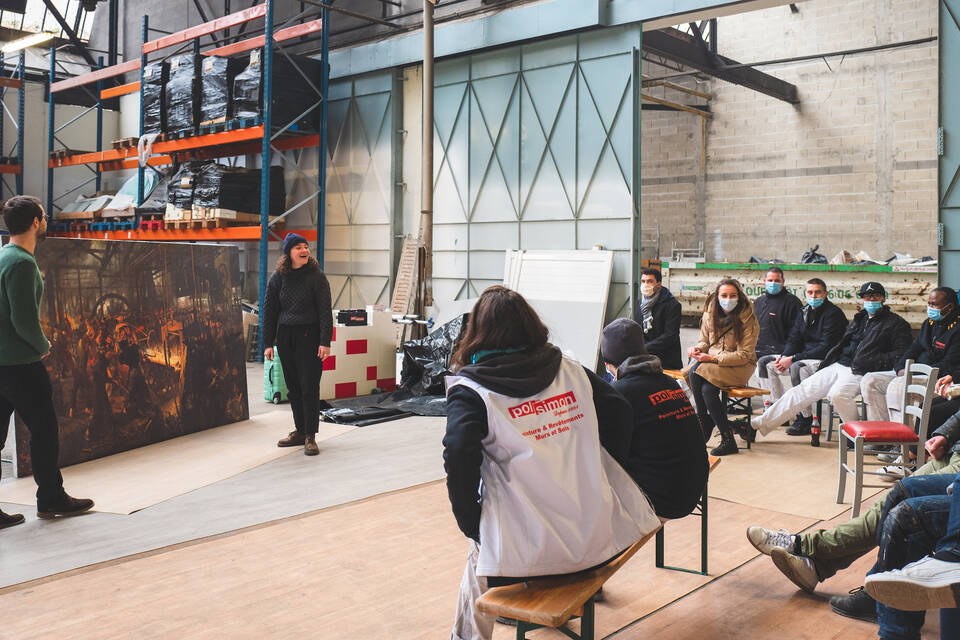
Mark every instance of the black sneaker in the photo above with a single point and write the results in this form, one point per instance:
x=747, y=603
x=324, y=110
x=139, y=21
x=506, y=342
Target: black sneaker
x=744, y=429
x=64, y=507
x=10, y=519
x=801, y=426
x=857, y=605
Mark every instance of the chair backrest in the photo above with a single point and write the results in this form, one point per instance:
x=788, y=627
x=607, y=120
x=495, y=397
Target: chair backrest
x=918, y=392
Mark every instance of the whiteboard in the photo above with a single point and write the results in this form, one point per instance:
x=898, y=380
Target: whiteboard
x=569, y=290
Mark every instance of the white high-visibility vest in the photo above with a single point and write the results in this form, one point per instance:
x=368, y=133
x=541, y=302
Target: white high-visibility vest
x=553, y=500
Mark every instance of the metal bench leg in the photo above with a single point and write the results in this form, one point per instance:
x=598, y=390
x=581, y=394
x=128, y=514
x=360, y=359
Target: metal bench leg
x=659, y=551
x=703, y=531
x=587, y=621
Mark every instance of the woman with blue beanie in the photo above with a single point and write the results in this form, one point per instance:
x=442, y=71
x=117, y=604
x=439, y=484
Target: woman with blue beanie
x=297, y=318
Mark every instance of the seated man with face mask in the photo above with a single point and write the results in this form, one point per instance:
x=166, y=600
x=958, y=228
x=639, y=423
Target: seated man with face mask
x=658, y=313
x=875, y=340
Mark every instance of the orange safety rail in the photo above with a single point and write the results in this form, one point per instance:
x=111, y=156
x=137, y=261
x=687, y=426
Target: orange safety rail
x=11, y=83
x=238, y=233
x=9, y=168
x=122, y=90
x=206, y=28
x=280, y=35
x=93, y=76
x=224, y=144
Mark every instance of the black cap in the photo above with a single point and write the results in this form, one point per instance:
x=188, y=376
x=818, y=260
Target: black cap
x=621, y=339
x=872, y=287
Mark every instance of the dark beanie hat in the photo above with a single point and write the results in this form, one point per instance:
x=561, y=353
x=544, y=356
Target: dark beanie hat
x=621, y=339
x=291, y=240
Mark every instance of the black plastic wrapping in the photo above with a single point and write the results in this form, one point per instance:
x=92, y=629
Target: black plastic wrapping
x=237, y=188
x=812, y=257
x=216, y=87
x=182, y=93
x=181, y=186
x=426, y=361
x=292, y=94
x=154, y=100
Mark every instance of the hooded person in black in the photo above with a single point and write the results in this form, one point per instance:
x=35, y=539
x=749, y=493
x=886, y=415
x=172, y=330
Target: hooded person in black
x=667, y=457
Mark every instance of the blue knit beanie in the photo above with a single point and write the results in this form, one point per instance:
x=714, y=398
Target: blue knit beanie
x=290, y=241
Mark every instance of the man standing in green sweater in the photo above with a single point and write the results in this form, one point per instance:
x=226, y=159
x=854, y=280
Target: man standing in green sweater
x=24, y=383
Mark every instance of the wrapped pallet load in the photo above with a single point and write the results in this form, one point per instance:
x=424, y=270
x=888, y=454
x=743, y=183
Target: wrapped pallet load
x=183, y=94
x=154, y=101
x=296, y=94
x=216, y=88
x=180, y=192
x=233, y=193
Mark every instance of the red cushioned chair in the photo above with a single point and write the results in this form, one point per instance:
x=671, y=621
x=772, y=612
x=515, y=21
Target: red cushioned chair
x=917, y=397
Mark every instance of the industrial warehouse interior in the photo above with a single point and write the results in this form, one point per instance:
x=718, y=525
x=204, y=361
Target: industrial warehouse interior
x=644, y=309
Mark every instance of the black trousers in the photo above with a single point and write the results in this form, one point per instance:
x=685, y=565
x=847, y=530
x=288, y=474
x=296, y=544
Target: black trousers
x=710, y=409
x=26, y=389
x=298, y=345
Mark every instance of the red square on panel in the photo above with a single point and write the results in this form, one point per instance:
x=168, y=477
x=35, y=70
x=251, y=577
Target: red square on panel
x=371, y=373
x=387, y=384
x=330, y=363
x=356, y=346
x=345, y=390
x=333, y=336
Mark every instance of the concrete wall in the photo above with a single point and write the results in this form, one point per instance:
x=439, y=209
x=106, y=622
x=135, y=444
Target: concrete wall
x=853, y=167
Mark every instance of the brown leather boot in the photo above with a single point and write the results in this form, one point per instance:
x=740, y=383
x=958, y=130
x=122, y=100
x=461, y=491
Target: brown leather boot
x=10, y=519
x=293, y=439
x=310, y=447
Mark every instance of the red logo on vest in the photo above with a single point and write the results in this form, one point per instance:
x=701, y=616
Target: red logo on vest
x=536, y=407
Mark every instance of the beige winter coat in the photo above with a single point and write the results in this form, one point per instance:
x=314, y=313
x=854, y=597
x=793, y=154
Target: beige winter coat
x=736, y=362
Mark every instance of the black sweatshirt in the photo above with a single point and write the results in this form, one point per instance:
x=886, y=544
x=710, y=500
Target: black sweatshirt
x=518, y=375
x=776, y=315
x=815, y=332
x=298, y=297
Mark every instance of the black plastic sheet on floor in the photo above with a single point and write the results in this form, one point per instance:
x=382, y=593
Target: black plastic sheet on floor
x=383, y=407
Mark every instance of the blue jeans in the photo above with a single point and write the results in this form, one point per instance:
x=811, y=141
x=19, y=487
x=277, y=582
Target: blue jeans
x=948, y=548
x=914, y=517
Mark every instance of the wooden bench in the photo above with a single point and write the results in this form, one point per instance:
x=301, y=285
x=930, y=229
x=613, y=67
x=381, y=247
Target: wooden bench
x=735, y=399
x=701, y=511
x=553, y=601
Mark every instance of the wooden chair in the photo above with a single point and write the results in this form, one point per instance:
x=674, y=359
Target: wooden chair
x=701, y=511
x=553, y=601
x=917, y=396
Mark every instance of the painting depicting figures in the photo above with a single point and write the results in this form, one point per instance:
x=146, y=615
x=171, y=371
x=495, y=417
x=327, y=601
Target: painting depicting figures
x=146, y=343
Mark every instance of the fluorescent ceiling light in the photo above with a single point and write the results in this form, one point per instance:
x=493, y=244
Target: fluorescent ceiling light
x=27, y=41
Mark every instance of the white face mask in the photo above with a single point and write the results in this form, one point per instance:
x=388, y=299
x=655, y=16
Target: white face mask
x=728, y=304
x=647, y=289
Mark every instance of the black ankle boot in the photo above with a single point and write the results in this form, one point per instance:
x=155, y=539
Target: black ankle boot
x=728, y=445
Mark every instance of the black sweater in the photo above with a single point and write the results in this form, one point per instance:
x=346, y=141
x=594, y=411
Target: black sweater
x=517, y=375
x=938, y=345
x=667, y=457
x=662, y=339
x=815, y=332
x=776, y=315
x=298, y=297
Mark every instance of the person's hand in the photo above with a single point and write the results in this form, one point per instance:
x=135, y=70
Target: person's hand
x=268, y=353
x=704, y=357
x=323, y=352
x=783, y=363
x=936, y=447
x=693, y=352
x=942, y=385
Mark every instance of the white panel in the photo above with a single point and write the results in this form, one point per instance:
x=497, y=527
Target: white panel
x=371, y=237
x=450, y=236
x=494, y=235
x=547, y=235
x=612, y=234
x=486, y=265
x=450, y=264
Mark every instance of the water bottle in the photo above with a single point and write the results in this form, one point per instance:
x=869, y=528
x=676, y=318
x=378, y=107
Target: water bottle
x=815, y=432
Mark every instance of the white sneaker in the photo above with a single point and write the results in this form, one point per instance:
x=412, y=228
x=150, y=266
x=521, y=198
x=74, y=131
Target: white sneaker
x=889, y=457
x=798, y=569
x=925, y=584
x=892, y=473
x=766, y=540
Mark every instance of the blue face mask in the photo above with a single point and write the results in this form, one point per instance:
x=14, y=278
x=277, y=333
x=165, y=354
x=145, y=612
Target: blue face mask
x=728, y=304
x=872, y=306
x=815, y=303
x=934, y=314
x=773, y=288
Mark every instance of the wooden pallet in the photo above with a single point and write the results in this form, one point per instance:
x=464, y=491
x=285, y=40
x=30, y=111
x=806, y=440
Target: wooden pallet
x=75, y=215
x=125, y=143
x=197, y=224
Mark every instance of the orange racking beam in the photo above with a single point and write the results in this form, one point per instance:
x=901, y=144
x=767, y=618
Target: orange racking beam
x=239, y=233
x=9, y=168
x=280, y=35
x=11, y=83
x=206, y=28
x=93, y=76
x=122, y=90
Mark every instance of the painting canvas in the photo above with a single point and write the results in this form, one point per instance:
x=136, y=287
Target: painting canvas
x=146, y=343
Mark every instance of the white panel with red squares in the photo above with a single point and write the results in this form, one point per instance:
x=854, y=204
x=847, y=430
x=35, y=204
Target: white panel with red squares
x=361, y=358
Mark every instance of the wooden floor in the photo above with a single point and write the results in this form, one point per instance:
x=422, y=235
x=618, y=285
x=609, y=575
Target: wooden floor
x=360, y=543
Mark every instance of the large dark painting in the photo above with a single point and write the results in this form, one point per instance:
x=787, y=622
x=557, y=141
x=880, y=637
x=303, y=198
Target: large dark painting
x=146, y=343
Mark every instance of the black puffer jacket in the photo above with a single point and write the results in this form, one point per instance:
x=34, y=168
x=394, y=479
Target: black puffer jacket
x=938, y=345
x=885, y=338
x=662, y=339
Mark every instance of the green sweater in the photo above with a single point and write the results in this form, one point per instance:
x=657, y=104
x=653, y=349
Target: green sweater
x=21, y=287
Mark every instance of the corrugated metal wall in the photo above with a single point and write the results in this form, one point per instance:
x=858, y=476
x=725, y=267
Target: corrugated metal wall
x=949, y=178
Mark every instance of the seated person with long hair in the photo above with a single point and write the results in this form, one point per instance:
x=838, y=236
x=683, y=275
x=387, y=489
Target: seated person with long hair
x=534, y=453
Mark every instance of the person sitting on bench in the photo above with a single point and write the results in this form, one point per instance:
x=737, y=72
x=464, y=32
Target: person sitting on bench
x=667, y=457
x=658, y=312
x=817, y=329
x=534, y=452
x=777, y=311
x=725, y=355
x=874, y=341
